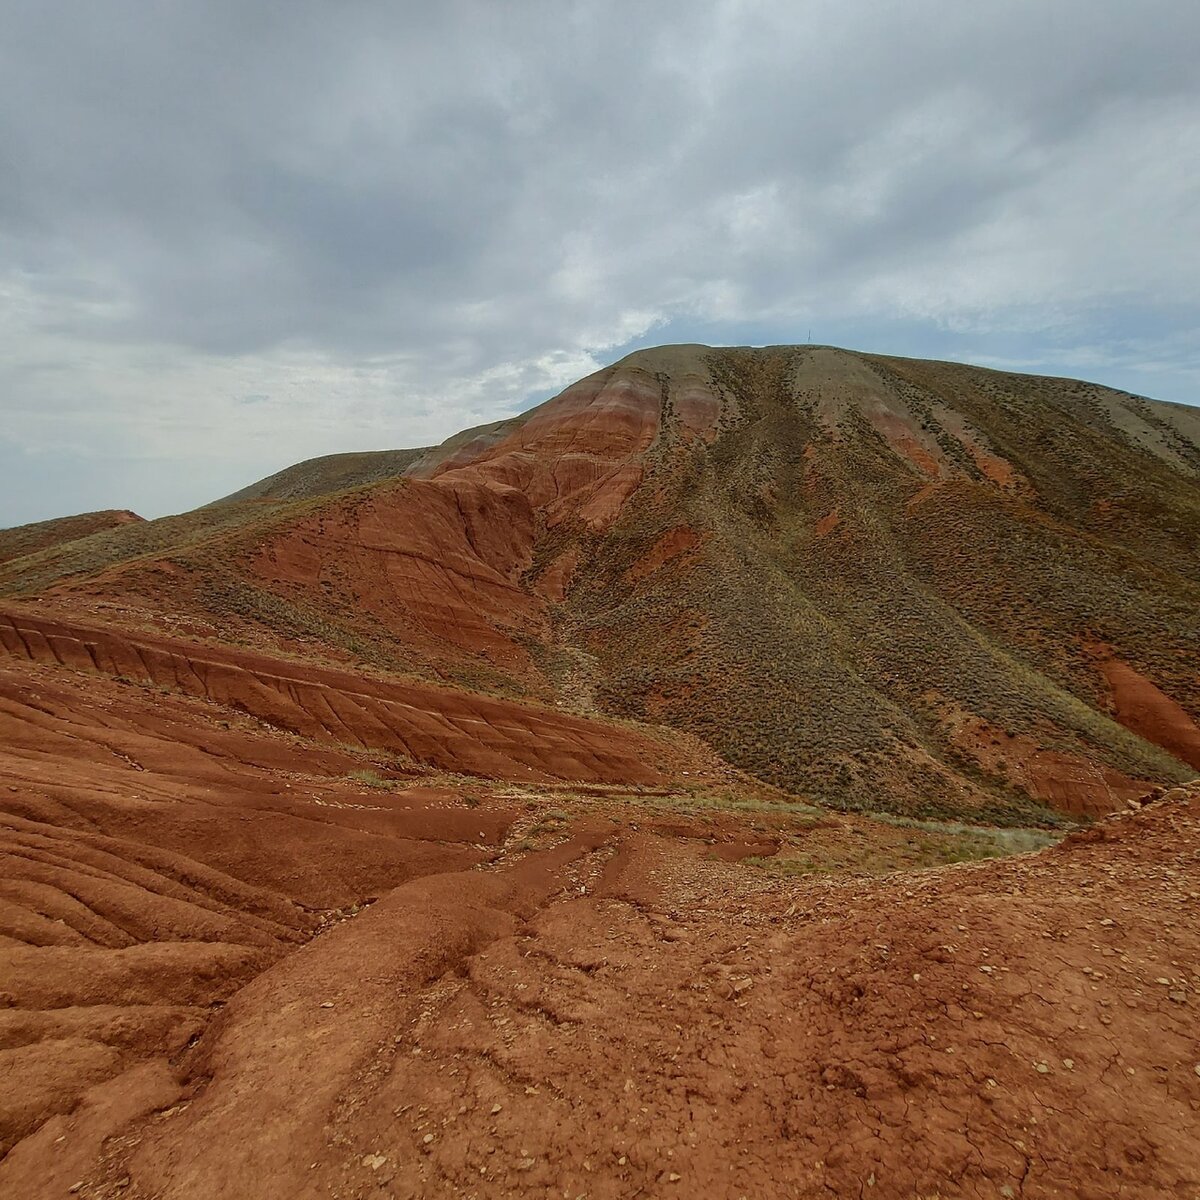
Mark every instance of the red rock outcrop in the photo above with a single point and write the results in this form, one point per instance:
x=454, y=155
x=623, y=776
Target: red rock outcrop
x=1146, y=709
x=672, y=544
x=436, y=562
x=1069, y=783
x=580, y=455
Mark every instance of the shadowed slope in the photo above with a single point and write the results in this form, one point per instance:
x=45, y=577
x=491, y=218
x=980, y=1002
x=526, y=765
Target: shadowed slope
x=863, y=592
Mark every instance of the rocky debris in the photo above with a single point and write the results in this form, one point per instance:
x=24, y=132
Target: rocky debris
x=820, y=1036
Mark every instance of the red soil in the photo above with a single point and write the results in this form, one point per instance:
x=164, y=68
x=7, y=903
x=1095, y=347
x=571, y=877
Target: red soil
x=230, y=969
x=556, y=579
x=1144, y=708
x=620, y=1013
x=439, y=727
x=160, y=852
x=438, y=562
x=916, y=454
x=580, y=454
x=1063, y=781
x=998, y=470
x=828, y=523
x=698, y=407
x=670, y=546
x=274, y=928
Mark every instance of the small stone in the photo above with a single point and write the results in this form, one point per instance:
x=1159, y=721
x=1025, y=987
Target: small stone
x=75, y=1186
x=673, y=1178
x=496, y=1108
x=427, y=1139
x=327, y=1004
x=1069, y=1063
x=1041, y=1068
x=1163, y=980
x=526, y=1164
x=1196, y=1068
x=1180, y=997
x=374, y=1161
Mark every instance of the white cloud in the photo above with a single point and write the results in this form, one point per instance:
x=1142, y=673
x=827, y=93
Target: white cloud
x=396, y=220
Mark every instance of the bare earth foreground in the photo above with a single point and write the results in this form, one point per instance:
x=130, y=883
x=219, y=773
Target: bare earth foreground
x=231, y=967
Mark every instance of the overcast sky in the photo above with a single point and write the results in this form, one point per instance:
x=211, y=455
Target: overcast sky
x=234, y=235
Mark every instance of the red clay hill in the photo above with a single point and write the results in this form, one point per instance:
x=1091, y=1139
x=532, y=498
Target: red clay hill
x=883, y=583
x=596, y=804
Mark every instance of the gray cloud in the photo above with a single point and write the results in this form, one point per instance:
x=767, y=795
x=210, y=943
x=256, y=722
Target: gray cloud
x=389, y=220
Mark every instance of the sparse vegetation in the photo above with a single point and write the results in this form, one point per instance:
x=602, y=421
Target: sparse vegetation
x=841, y=665
x=898, y=843
x=372, y=779
x=836, y=666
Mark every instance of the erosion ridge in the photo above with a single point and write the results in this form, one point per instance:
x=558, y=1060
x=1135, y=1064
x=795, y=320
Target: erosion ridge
x=450, y=730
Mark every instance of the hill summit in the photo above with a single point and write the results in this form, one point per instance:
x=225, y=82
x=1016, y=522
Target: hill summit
x=881, y=583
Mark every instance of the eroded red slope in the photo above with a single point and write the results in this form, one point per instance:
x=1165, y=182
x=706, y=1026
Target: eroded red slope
x=440, y=727
x=438, y=564
x=619, y=1013
x=853, y=576
x=582, y=454
x=156, y=853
